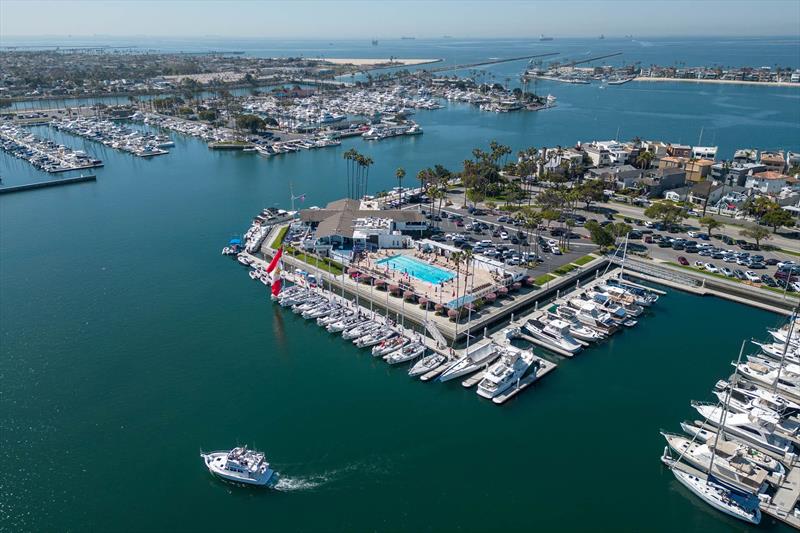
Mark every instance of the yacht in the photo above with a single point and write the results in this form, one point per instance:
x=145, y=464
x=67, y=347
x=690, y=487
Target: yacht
x=336, y=316
x=759, y=397
x=556, y=333
x=506, y=372
x=479, y=357
x=720, y=497
x=405, y=354
x=578, y=329
x=708, y=435
x=593, y=316
x=426, y=364
x=786, y=382
x=365, y=328
x=757, y=427
x=346, y=323
x=374, y=337
x=643, y=297
x=776, y=351
x=239, y=465
x=389, y=346
x=729, y=466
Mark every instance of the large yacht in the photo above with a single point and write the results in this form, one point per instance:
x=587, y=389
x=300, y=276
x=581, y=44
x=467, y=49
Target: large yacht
x=556, y=333
x=239, y=465
x=511, y=366
x=474, y=360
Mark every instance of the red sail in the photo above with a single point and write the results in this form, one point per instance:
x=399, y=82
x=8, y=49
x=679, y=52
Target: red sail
x=275, y=260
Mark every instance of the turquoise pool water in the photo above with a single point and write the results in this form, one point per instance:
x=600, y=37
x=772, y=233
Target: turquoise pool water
x=418, y=269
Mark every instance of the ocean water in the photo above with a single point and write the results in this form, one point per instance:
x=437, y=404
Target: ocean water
x=128, y=344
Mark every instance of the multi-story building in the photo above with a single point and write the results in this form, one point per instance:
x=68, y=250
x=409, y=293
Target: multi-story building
x=768, y=182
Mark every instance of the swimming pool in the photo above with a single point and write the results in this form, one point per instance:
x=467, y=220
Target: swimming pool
x=417, y=269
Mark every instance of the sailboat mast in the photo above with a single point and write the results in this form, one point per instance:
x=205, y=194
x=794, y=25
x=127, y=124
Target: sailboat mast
x=785, y=349
x=726, y=405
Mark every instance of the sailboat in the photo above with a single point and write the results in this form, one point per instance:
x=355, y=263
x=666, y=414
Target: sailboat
x=716, y=493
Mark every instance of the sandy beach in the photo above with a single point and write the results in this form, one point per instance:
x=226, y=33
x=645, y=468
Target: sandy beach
x=724, y=82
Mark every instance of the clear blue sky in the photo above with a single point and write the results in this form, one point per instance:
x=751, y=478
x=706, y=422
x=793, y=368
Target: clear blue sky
x=388, y=18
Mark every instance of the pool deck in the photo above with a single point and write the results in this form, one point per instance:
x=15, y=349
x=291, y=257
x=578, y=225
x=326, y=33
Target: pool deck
x=417, y=268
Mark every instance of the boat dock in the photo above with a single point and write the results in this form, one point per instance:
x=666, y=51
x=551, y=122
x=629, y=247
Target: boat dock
x=45, y=184
x=545, y=368
x=785, y=499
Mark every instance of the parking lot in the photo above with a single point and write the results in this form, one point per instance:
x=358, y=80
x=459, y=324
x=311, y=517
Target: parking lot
x=505, y=240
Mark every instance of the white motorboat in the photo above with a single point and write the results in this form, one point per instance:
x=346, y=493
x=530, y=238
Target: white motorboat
x=577, y=329
x=757, y=427
x=426, y=364
x=643, y=297
x=239, y=465
x=389, y=346
x=783, y=425
x=728, y=466
x=776, y=351
x=506, y=372
x=786, y=382
x=718, y=497
x=708, y=435
x=593, y=316
x=405, y=354
x=479, y=357
x=375, y=337
x=244, y=260
x=758, y=396
x=556, y=334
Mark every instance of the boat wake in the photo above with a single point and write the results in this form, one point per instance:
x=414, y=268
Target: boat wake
x=315, y=481
x=293, y=484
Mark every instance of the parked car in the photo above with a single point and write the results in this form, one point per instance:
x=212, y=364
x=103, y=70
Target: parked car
x=682, y=260
x=711, y=268
x=727, y=272
x=752, y=276
x=740, y=274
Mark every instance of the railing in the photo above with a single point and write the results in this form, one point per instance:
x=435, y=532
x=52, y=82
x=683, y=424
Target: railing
x=657, y=272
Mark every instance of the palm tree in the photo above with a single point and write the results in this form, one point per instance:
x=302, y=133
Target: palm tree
x=644, y=159
x=456, y=257
x=350, y=156
x=365, y=163
x=400, y=173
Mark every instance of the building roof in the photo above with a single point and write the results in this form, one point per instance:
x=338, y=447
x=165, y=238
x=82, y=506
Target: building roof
x=770, y=175
x=704, y=188
x=338, y=216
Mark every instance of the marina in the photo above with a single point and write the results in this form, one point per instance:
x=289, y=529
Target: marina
x=121, y=322
x=115, y=136
x=44, y=154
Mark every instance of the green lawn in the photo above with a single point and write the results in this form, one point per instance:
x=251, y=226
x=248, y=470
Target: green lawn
x=723, y=276
x=323, y=264
x=585, y=259
x=544, y=278
x=564, y=269
x=279, y=239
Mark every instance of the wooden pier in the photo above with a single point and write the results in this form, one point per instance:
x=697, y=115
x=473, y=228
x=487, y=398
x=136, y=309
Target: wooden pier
x=45, y=184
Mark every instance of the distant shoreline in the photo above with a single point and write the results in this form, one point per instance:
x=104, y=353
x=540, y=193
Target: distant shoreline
x=724, y=82
x=385, y=63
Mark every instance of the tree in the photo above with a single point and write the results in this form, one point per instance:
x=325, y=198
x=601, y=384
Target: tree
x=644, y=159
x=589, y=191
x=710, y=223
x=400, y=173
x=619, y=229
x=599, y=235
x=250, y=123
x=777, y=217
x=666, y=212
x=757, y=233
x=475, y=196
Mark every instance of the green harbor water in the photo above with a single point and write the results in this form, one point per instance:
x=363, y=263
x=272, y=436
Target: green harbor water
x=128, y=344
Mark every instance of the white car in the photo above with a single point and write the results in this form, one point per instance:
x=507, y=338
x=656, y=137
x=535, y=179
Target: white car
x=504, y=235
x=693, y=234
x=752, y=276
x=555, y=250
x=699, y=264
x=785, y=263
x=552, y=242
x=711, y=268
x=727, y=272
x=486, y=242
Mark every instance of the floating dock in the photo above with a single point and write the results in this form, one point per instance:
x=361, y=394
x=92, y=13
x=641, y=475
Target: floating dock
x=545, y=368
x=45, y=184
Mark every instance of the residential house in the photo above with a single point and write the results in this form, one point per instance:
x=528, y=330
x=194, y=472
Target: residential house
x=704, y=152
x=622, y=177
x=745, y=155
x=767, y=182
x=774, y=161
x=734, y=173
x=659, y=181
x=677, y=195
x=679, y=150
x=705, y=193
x=698, y=170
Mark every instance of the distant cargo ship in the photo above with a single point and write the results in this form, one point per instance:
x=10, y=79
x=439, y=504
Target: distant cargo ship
x=543, y=38
x=407, y=38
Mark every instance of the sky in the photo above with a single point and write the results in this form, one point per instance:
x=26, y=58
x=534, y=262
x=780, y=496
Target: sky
x=303, y=19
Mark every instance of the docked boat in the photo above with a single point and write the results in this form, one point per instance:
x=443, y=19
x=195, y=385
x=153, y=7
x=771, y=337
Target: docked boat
x=556, y=334
x=426, y=364
x=472, y=361
x=577, y=329
x=361, y=330
x=346, y=323
x=389, y=345
x=757, y=427
x=729, y=466
x=374, y=337
x=405, y=354
x=239, y=465
x=720, y=498
x=336, y=316
x=593, y=316
x=787, y=382
x=708, y=435
x=758, y=396
x=506, y=372
x=642, y=297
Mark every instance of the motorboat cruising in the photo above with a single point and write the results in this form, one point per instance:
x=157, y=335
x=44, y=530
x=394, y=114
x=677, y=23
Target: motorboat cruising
x=556, y=334
x=239, y=465
x=720, y=498
x=475, y=359
x=405, y=354
x=427, y=364
x=730, y=465
x=506, y=372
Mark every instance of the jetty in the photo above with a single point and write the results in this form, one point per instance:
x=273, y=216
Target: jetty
x=45, y=184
